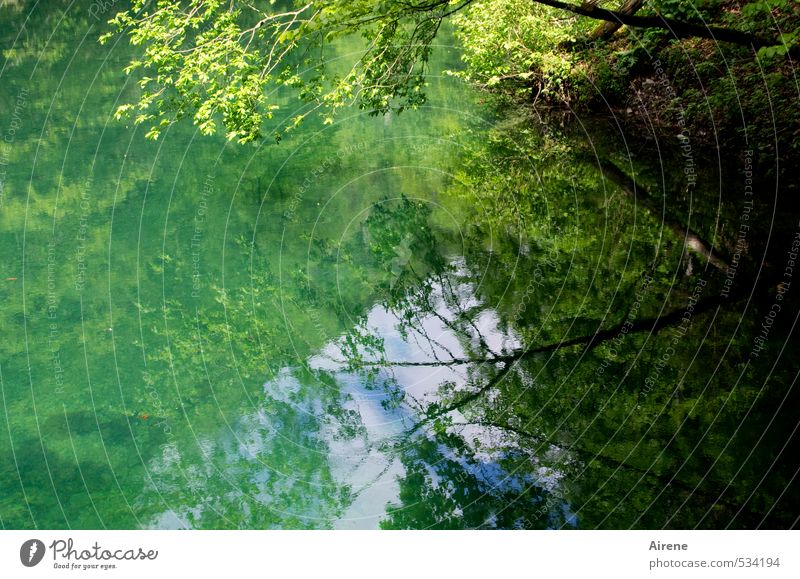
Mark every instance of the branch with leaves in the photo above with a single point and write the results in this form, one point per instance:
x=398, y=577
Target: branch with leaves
x=213, y=61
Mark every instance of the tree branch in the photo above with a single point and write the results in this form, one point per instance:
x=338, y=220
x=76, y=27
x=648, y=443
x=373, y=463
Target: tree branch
x=607, y=29
x=677, y=28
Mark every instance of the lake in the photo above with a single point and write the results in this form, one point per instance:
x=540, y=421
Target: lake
x=464, y=316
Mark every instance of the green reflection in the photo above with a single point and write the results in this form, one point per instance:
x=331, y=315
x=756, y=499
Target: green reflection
x=432, y=320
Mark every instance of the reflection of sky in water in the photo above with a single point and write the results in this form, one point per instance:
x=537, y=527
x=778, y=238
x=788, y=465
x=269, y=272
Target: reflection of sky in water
x=373, y=472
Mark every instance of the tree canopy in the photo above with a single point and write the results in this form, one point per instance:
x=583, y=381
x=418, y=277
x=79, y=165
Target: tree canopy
x=215, y=61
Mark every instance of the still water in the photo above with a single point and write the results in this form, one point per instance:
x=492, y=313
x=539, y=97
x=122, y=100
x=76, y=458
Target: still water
x=450, y=318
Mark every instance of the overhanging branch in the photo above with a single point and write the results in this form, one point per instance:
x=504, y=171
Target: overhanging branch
x=677, y=28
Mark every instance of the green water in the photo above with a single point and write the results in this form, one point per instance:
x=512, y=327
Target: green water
x=384, y=322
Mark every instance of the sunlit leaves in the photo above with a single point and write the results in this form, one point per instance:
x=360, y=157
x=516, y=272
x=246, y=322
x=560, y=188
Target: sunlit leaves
x=214, y=62
x=514, y=45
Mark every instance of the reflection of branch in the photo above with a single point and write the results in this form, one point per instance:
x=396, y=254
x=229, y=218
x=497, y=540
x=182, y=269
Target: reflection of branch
x=589, y=342
x=455, y=303
x=690, y=238
x=431, y=309
x=650, y=325
x=466, y=399
x=355, y=494
x=402, y=363
x=587, y=456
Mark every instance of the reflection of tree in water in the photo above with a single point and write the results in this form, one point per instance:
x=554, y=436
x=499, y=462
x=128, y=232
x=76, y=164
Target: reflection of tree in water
x=488, y=376
x=607, y=400
x=268, y=470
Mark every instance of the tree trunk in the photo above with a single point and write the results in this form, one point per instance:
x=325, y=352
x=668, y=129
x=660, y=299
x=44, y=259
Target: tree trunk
x=607, y=29
x=677, y=28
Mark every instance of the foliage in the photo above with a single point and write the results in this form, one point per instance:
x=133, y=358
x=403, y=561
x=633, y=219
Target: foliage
x=781, y=15
x=210, y=59
x=159, y=402
x=572, y=427
x=513, y=45
x=218, y=62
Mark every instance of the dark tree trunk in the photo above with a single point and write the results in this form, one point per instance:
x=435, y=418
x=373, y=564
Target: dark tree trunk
x=607, y=29
x=677, y=28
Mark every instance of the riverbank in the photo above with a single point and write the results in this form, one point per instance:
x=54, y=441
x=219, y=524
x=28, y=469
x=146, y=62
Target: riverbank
x=721, y=95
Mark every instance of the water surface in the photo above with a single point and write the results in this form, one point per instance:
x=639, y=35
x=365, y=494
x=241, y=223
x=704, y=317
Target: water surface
x=443, y=319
